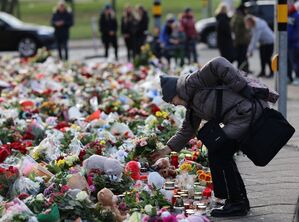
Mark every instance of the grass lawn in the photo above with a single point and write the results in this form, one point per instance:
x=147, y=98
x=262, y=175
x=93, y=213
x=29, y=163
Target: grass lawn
x=40, y=11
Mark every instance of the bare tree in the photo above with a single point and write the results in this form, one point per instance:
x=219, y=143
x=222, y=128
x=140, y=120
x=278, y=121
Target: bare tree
x=10, y=6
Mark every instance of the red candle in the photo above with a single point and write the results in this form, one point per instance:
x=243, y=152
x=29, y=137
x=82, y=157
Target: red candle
x=207, y=192
x=174, y=159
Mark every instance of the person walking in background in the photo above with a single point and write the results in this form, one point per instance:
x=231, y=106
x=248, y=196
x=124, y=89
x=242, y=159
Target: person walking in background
x=142, y=30
x=129, y=27
x=108, y=29
x=262, y=34
x=293, y=44
x=241, y=38
x=224, y=34
x=188, y=25
x=62, y=20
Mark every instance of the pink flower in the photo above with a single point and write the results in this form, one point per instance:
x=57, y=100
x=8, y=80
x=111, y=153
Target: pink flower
x=142, y=143
x=145, y=218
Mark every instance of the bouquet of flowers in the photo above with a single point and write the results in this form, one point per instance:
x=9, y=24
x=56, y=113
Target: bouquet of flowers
x=7, y=178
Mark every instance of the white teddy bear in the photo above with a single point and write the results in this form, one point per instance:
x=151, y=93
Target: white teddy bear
x=107, y=165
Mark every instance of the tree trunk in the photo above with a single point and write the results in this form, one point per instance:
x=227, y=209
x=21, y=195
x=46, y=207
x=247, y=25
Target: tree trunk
x=10, y=6
x=4, y=4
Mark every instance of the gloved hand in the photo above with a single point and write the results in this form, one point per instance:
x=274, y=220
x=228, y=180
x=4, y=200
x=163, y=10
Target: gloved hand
x=247, y=92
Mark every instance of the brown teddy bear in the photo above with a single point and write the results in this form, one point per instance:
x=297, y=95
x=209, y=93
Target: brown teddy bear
x=109, y=201
x=164, y=168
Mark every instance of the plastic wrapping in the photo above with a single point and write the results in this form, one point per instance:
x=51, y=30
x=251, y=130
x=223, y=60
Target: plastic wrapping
x=29, y=165
x=25, y=185
x=121, y=129
x=14, y=207
x=49, y=147
x=75, y=146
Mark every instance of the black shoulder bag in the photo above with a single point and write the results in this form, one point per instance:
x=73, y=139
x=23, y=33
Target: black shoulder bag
x=267, y=135
x=212, y=134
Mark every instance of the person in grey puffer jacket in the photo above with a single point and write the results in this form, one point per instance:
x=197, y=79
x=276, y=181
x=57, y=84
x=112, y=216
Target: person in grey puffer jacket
x=197, y=92
x=262, y=34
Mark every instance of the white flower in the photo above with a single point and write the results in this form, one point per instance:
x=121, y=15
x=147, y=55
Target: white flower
x=81, y=196
x=148, y=209
x=40, y=197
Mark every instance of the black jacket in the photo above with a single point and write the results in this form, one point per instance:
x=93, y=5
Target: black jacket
x=224, y=37
x=129, y=26
x=62, y=32
x=107, y=24
x=143, y=25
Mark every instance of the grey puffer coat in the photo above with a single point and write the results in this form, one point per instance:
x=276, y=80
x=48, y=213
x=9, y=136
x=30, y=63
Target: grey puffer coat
x=198, y=89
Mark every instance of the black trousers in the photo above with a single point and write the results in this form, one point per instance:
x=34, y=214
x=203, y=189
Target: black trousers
x=63, y=46
x=227, y=181
x=107, y=40
x=266, y=52
x=130, y=51
x=241, y=57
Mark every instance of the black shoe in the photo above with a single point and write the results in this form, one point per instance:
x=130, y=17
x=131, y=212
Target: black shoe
x=261, y=74
x=247, y=203
x=231, y=209
x=270, y=76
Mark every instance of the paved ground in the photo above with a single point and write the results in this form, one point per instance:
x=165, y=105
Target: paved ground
x=273, y=190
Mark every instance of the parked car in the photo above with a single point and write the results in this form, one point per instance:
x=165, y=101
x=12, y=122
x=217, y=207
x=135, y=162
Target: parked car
x=206, y=28
x=26, y=38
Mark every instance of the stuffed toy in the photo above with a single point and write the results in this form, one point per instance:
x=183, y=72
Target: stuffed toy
x=133, y=168
x=155, y=179
x=109, y=202
x=164, y=168
x=106, y=165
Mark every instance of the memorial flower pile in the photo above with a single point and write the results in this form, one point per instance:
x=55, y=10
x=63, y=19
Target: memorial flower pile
x=70, y=130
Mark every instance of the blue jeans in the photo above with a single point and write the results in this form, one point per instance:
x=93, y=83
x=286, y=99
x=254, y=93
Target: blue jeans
x=191, y=49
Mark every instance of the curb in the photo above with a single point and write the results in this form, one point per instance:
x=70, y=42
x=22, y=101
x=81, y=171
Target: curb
x=296, y=215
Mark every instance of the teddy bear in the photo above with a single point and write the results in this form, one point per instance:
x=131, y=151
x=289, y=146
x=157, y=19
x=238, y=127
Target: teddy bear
x=109, y=202
x=164, y=168
x=107, y=165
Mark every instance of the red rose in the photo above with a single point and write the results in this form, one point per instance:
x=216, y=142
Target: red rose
x=23, y=196
x=61, y=125
x=89, y=180
x=4, y=153
x=154, y=108
x=64, y=188
x=28, y=136
x=81, y=155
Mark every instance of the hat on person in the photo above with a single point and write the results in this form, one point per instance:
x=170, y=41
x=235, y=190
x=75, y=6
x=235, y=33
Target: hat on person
x=168, y=85
x=188, y=10
x=108, y=6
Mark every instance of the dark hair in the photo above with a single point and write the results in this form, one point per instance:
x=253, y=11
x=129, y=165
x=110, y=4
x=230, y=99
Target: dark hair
x=188, y=10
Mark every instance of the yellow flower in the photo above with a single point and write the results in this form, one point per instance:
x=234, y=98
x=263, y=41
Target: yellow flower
x=102, y=142
x=75, y=127
x=116, y=103
x=164, y=114
x=36, y=155
x=158, y=114
x=60, y=163
x=186, y=167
